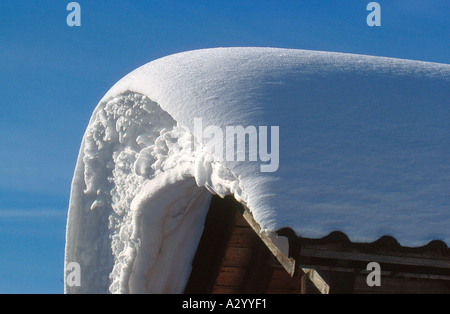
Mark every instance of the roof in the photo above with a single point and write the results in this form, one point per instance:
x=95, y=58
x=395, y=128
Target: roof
x=362, y=148
x=363, y=139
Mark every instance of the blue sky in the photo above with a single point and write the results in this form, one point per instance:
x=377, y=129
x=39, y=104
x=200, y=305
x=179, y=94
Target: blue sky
x=53, y=75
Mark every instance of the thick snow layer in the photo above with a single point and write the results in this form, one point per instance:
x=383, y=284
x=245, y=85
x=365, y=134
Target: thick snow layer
x=363, y=149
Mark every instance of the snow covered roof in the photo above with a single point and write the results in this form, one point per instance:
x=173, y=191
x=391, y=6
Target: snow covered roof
x=363, y=149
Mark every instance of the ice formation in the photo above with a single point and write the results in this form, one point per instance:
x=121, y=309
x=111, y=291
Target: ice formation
x=364, y=146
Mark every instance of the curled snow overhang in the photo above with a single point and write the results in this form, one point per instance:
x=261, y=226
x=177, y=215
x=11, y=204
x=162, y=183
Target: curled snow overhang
x=363, y=149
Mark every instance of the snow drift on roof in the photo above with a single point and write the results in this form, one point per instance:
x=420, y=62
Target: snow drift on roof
x=363, y=149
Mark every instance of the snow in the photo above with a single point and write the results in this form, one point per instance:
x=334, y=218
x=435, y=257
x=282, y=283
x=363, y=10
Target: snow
x=363, y=149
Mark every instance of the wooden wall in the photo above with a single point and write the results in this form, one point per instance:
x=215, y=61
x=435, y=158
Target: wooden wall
x=232, y=259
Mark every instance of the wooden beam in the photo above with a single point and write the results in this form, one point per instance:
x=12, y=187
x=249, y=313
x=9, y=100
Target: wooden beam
x=287, y=262
x=368, y=257
x=312, y=282
x=322, y=268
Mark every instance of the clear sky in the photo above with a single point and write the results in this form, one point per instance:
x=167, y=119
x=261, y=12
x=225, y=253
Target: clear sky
x=52, y=76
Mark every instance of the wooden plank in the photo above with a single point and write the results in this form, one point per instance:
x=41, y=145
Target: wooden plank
x=230, y=276
x=367, y=257
x=321, y=268
x=313, y=277
x=368, y=247
x=259, y=270
x=281, y=279
x=240, y=221
x=287, y=262
x=242, y=237
x=237, y=257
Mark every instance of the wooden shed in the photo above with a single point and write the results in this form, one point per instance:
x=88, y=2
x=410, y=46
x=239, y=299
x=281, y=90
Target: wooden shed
x=235, y=257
